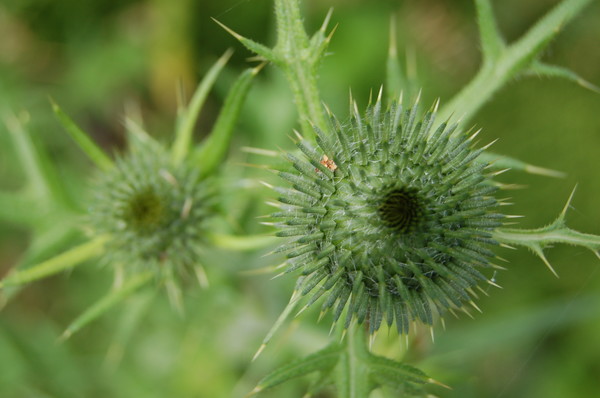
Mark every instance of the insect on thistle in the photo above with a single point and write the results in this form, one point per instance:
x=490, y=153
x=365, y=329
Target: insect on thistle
x=398, y=228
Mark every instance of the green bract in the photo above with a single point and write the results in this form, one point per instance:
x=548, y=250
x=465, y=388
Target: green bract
x=391, y=219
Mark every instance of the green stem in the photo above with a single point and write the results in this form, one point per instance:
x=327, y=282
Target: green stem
x=510, y=61
x=247, y=242
x=546, y=236
x=299, y=57
x=352, y=372
x=61, y=262
x=307, y=99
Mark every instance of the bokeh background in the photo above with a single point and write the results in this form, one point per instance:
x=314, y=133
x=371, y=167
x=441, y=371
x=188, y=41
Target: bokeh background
x=536, y=337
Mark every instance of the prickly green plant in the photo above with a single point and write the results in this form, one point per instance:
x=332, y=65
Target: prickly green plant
x=391, y=216
x=151, y=208
x=391, y=220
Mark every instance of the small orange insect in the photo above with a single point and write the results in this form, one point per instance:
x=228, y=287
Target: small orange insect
x=329, y=163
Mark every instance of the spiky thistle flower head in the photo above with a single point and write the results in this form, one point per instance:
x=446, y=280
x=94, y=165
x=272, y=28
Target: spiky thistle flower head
x=390, y=218
x=154, y=210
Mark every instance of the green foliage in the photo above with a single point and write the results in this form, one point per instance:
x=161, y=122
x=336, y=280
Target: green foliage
x=537, y=337
x=81, y=138
x=538, y=239
x=352, y=369
x=299, y=57
x=391, y=217
x=502, y=63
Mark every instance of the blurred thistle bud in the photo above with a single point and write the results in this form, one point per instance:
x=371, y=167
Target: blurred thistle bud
x=154, y=211
x=151, y=207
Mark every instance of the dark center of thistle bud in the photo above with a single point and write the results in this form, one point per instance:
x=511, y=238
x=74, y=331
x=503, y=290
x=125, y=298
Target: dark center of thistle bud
x=401, y=209
x=145, y=211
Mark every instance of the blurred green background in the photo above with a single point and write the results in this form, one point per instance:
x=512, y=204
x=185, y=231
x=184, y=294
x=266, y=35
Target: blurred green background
x=537, y=337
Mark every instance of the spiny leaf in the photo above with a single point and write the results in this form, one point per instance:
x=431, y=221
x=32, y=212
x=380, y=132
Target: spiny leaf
x=298, y=57
x=320, y=40
x=66, y=260
x=106, y=302
x=538, y=68
x=281, y=319
x=188, y=116
x=500, y=162
x=323, y=379
x=39, y=171
x=396, y=373
x=211, y=152
x=321, y=361
x=531, y=43
x=540, y=238
x=93, y=151
x=491, y=42
x=251, y=45
x=513, y=60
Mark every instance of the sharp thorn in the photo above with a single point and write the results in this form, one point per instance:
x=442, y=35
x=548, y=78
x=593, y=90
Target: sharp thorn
x=544, y=172
x=258, y=352
x=475, y=306
x=568, y=204
x=494, y=284
x=231, y=32
x=490, y=144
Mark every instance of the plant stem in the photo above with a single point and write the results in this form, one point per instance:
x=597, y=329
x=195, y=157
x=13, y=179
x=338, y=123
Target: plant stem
x=509, y=62
x=351, y=376
x=299, y=57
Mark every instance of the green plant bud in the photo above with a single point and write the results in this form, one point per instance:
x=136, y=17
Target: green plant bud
x=155, y=212
x=390, y=219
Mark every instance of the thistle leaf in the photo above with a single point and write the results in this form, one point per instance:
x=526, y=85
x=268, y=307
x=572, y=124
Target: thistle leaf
x=540, y=238
x=500, y=162
x=188, y=116
x=298, y=57
x=251, y=45
x=509, y=63
x=211, y=152
x=526, y=49
x=66, y=260
x=385, y=371
x=538, y=68
x=285, y=314
x=107, y=302
x=321, y=361
x=93, y=151
x=39, y=171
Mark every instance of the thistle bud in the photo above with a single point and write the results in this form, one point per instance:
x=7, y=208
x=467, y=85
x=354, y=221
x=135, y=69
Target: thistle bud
x=390, y=218
x=155, y=211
